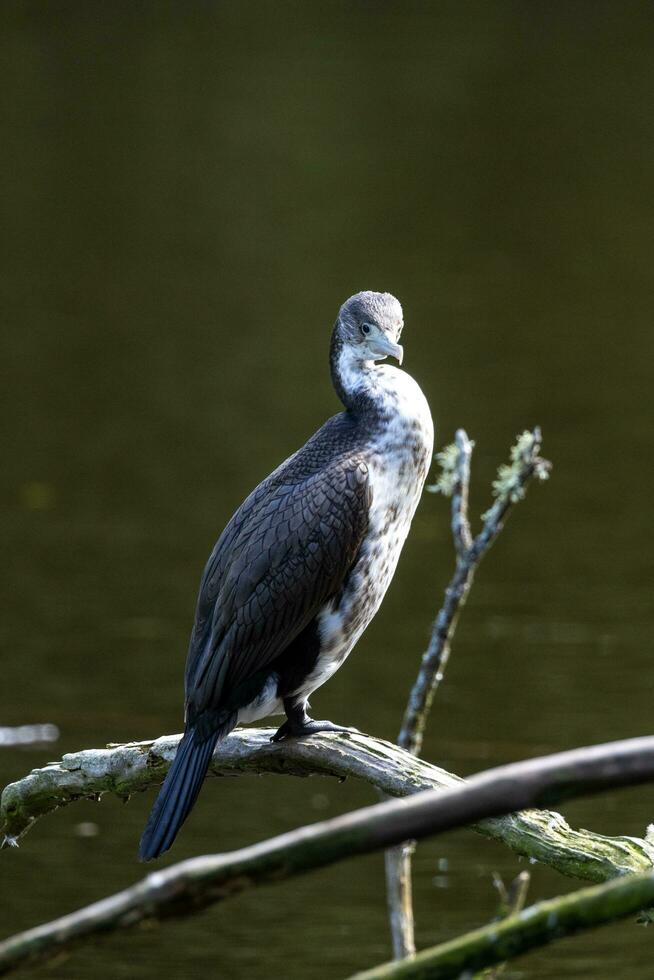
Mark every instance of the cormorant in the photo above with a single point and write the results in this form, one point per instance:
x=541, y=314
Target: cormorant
x=303, y=565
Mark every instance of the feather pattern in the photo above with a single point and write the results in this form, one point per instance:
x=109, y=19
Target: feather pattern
x=284, y=553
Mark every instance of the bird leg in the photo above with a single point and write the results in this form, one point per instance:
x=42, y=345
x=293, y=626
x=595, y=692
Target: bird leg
x=298, y=723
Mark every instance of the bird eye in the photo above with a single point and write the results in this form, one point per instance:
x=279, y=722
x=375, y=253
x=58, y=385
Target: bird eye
x=365, y=329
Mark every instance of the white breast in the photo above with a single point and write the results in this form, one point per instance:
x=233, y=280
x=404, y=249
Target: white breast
x=398, y=462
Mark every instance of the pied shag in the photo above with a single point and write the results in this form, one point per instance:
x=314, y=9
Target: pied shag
x=303, y=565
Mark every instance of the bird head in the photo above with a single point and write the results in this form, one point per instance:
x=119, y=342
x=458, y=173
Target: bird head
x=369, y=326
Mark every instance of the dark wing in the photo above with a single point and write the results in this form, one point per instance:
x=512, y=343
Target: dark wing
x=285, y=552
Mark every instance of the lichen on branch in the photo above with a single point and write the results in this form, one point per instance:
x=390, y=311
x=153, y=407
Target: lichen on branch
x=124, y=769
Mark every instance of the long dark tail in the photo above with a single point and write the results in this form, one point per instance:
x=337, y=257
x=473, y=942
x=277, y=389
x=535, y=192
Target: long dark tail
x=179, y=792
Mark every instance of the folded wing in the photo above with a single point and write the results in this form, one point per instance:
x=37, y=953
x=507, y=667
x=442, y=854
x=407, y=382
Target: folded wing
x=284, y=554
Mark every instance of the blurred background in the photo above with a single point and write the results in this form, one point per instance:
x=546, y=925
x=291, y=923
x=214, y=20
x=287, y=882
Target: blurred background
x=188, y=192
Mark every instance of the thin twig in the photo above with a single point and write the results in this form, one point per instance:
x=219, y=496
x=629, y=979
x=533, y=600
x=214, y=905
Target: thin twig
x=512, y=902
x=536, y=926
x=454, y=481
x=194, y=884
x=399, y=899
x=460, y=520
x=508, y=489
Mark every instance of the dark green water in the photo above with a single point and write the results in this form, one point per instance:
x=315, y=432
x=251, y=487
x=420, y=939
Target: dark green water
x=188, y=193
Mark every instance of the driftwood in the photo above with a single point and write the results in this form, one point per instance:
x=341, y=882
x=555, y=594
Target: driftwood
x=135, y=766
x=194, y=884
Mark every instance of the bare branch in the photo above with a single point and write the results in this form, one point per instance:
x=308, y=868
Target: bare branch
x=538, y=925
x=123, y=769
x=194, y=884
x=454, y=481
x=510, y=487
x=399, y=899
x=516, y=895
x=136, y=766
x=460, y=520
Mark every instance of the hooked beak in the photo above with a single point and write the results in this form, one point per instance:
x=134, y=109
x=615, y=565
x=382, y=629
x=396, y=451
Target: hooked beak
x=383, y=347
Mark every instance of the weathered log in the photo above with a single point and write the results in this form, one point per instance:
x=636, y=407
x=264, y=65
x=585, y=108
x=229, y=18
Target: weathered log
x=124, y=769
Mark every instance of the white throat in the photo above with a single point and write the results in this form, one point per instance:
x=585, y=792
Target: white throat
x=355, y=374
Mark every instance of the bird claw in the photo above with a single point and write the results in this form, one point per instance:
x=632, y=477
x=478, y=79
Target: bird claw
x=308, y=727
x=281, y=733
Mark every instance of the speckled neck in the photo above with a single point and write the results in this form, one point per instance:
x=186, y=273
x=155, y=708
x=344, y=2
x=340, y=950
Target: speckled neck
x=354, y=381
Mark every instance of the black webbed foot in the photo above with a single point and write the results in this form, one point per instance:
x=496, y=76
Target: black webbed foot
x=293, y=728
x=298, y=722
